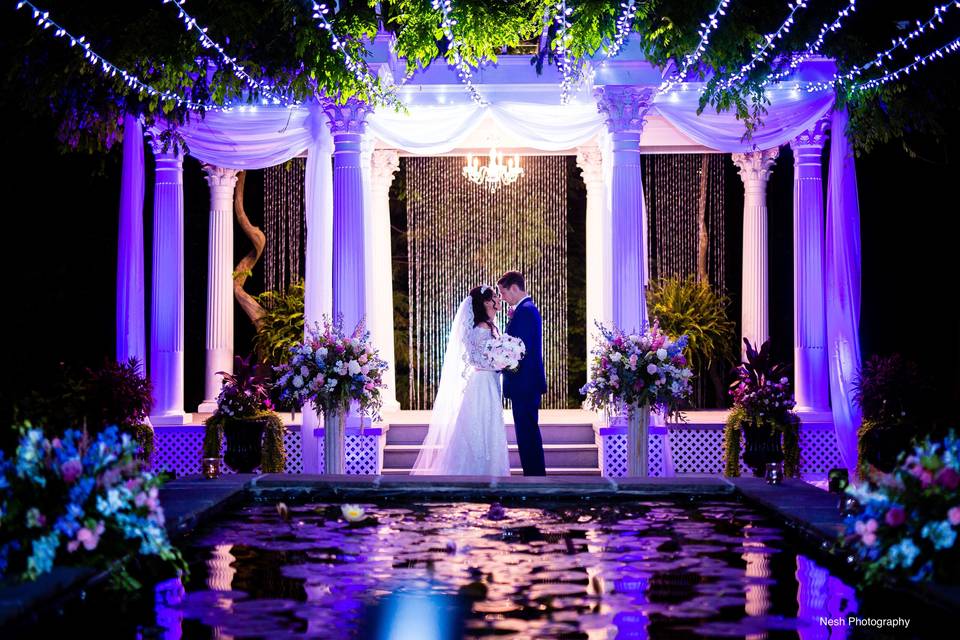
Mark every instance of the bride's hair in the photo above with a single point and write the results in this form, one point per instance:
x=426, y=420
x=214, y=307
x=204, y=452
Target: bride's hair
x=478, y=296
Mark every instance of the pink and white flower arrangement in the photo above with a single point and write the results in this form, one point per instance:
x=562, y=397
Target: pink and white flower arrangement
x=638, y=369
x=907, y=521
x=505, y=352
x=332, y=369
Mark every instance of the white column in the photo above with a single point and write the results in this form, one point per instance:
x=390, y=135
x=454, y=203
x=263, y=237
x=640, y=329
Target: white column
x=590, y=161
x=811, y=382
x=755, y=167
x=347, y=124
x=384, y=163
x=131, y=313
x=166, y=294
x=624, y=108
x=219, y=343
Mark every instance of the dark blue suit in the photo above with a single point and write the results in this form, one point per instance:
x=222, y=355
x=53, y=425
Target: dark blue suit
x=525, y=387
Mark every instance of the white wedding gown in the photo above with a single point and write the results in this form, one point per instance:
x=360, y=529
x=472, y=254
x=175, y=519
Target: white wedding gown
x=466, y=435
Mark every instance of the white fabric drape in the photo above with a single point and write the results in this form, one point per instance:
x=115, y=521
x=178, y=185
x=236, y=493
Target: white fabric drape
x=842, y=295
x=789, y=114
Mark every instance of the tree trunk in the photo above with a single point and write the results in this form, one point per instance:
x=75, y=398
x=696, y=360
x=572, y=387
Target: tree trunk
x=244, y=268
x=703, y=242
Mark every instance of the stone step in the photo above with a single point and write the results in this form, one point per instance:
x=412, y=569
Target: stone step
x=551, y=433
x=551, y=471
x=556, y=455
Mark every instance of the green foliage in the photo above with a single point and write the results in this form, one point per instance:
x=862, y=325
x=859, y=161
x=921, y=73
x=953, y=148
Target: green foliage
x=279, y=40
x=691, y=308
x=281, y=326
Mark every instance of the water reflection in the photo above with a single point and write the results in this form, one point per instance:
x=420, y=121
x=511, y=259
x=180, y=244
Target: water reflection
x=638, y=570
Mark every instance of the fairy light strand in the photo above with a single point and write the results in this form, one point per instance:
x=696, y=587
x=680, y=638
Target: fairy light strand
x=455, y=46
x=706, y=28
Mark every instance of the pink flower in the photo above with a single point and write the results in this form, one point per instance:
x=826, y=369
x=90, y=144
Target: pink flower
x=89, y=539
x=867, y=531
x=953, y=515
x=926, y=479
x=895, y=517
x=71, y=470
x=948, y=478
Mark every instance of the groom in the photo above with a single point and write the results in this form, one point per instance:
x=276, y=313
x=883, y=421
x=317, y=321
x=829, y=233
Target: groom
x=525, y=387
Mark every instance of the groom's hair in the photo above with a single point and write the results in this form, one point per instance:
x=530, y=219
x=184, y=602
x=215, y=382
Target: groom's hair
x=511, y=278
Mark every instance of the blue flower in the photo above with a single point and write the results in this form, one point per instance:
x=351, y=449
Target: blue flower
x=941, y=534
x=44, y=552
x=903, y=554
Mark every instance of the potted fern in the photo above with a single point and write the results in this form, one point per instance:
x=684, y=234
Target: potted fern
x=763, y=413
x=253, y=431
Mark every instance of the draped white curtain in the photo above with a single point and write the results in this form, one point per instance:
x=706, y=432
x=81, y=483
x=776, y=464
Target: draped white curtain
x=842, y=295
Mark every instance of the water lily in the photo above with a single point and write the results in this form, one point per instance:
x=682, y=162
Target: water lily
x=352, y=512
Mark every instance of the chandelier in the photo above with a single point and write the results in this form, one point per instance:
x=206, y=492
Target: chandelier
x=495, y=173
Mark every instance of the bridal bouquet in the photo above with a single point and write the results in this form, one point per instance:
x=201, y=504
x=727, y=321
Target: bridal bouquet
x=646, y=369
x=905, y=523
x=505, y=352
x=332, y=369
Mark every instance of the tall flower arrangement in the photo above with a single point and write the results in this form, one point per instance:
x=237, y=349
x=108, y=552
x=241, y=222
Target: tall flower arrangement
x=906, y=522
x=332, y=369
x=636, y=370
x=71, y=500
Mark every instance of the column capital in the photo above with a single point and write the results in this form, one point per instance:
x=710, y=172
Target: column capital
x=590, y=161
x=384, y=163
x=813, y=138
x=350, y=117
x=165, y=142
x=624, y=107
x=220, y=177
x=755, y=166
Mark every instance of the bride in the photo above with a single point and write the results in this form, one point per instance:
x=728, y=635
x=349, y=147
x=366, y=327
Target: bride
x=466, y=435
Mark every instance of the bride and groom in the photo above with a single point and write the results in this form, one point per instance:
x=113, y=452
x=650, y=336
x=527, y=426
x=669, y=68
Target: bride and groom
x=467, y=435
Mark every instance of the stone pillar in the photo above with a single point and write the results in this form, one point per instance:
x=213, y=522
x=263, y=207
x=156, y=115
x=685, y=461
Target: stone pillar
x=347, y=124
x=811, y=381
x=219, y=342
x=384, y=163
x=166, y=295
x=755, y=167
x=624, y=108
x=590, y=161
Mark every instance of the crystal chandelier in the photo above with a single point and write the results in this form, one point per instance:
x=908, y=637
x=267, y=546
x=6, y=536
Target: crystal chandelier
x=495, y=173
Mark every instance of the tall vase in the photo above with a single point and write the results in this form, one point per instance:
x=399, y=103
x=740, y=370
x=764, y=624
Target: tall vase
x=638, y=429
x=334, y=422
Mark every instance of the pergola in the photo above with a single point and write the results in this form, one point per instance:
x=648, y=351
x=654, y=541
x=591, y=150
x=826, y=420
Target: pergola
x=353, y=150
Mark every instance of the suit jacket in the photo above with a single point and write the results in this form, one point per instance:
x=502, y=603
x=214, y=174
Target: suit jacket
x=531, y=379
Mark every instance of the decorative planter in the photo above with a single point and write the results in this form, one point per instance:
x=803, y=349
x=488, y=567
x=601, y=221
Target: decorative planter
x=762, y=444
x=244, y=444
x=334, y=427
x=638, y=427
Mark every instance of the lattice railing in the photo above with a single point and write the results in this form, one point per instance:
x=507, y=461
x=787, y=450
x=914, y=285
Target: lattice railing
x=179, y=450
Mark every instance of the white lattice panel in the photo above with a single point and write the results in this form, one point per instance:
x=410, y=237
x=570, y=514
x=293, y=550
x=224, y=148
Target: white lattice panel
x=613, y=455
x=696, y=450
x=363, y=454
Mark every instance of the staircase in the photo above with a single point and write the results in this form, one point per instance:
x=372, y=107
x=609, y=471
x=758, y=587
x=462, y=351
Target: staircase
x=569, y=443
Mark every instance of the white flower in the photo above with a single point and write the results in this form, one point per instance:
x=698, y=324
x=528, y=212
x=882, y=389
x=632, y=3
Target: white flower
x=297, y=381
x=652, y=368
x=353, y=367
x=352, y=512
x=615, y=356
x=662, y=354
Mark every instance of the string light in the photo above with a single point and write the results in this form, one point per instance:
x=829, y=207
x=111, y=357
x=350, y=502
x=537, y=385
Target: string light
x=813, y=48
x=624, y=25
x=564, y=60
x=897, y=43
x=359, y=70
x=918, y=61
x=454, y=46
x=109, y=69
x=767, y=46
x=706, y=28
x=208, y=43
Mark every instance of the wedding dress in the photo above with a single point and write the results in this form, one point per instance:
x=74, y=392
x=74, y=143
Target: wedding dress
x=466, y=435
